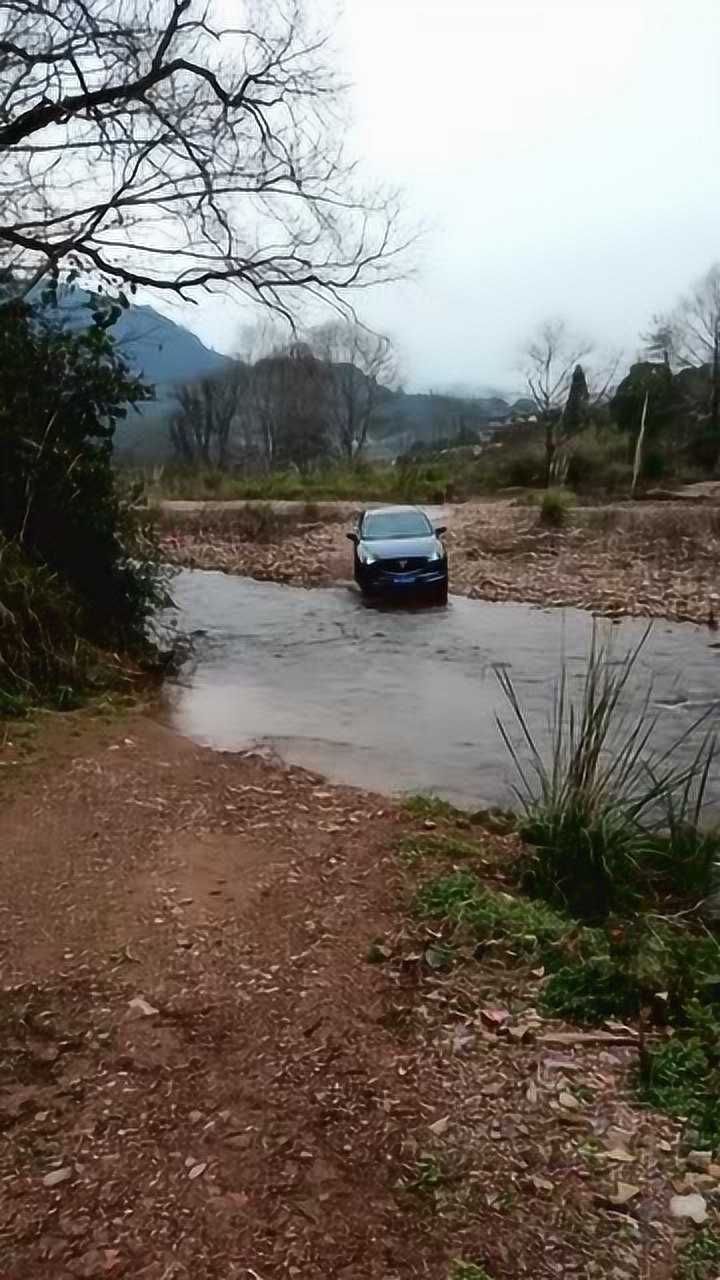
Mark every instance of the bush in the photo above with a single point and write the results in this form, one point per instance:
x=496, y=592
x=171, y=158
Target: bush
x=78, y=571
x=555, y=508
x=62, y=391
x=611, y=823
x=42, y=656
x=598, y=462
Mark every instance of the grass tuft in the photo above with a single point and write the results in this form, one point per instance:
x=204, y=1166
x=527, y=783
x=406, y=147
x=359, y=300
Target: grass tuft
x=555, y=508
x=612, y=822
x=433, y=807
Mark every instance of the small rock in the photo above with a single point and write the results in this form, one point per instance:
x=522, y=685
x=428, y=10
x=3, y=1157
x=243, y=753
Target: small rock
x=699, y=1160
x=692, y=1206
x=56, y=1177
x=568, y=1101
x=197, y=1170
x=195, y=1117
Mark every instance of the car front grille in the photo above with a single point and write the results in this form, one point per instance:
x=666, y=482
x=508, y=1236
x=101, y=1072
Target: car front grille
x=409, y=564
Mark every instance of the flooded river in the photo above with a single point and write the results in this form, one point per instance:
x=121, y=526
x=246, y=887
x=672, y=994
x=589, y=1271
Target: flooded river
x=400, y=699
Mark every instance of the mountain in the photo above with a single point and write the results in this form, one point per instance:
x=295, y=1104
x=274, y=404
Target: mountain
x=162, y=352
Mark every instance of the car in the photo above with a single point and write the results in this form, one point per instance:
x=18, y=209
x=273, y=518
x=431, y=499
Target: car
x=398, y=550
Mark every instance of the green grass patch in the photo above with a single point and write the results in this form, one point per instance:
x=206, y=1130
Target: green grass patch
x=436, y=844
x=684, y=1081
x=699, y=1258
x=531, y=931
x=432, y=807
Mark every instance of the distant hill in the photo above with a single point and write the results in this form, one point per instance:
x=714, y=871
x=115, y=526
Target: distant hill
x=163, y=353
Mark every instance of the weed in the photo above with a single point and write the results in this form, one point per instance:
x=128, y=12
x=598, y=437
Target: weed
x=467, y=1271
x=433, y=807
x=612, y=822
x=555, y=508
x=427, y=1176
x=699, y=1258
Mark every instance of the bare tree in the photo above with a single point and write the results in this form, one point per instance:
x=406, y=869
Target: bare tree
x=359, y=364
x=549, y=361
x=200, y=428
x=146, y=143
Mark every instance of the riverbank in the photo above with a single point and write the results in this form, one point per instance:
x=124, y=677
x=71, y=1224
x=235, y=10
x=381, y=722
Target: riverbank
x=644, y=560
x=188, y=1091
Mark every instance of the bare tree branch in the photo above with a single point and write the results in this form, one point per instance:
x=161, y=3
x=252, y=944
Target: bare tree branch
x=142, y=143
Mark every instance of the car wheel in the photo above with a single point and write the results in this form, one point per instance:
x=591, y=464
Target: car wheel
x=441, y=596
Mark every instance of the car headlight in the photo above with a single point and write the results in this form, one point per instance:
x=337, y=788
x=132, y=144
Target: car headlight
x=365, y=556
x=437, y=554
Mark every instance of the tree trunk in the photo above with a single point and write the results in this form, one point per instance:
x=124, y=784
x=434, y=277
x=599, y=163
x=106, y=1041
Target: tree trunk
x=550, y=451
x=715, y=401
x=639, y=446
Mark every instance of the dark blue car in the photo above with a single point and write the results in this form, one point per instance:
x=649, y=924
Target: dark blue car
x=398, y=551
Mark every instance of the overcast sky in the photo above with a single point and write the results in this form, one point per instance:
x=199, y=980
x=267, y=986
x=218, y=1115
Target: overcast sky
x=563, y=155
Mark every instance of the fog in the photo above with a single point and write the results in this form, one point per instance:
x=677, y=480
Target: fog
x=562, y=158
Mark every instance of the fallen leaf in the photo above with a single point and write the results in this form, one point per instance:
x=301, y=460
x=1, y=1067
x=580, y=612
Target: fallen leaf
x=56, y=1177
x=438, y=1127
x=568, y=1100
x=619, y=1154
x=197, y=1170
x=623, y=1193
x=495, y=1017
x=140, y=1008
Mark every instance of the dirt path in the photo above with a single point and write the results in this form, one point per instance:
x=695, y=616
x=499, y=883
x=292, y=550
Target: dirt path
x=201, y=1075
x=643, y=560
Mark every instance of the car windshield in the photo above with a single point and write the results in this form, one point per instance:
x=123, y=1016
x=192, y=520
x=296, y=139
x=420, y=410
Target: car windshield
x=396, y=524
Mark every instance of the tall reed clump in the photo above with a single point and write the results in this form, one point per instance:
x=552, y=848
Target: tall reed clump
x=612, y=823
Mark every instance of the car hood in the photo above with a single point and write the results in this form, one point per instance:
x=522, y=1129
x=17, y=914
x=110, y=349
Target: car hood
x=404, y=548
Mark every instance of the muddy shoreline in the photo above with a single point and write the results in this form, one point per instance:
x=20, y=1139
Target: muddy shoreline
x=654, y=561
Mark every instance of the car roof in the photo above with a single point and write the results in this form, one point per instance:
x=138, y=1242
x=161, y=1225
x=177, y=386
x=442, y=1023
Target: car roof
x=385, y=511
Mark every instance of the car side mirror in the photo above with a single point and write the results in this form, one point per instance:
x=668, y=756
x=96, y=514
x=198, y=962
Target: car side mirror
x=442, y=528
x=352, y=537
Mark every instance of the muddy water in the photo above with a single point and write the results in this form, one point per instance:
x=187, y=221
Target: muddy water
x=404, y=699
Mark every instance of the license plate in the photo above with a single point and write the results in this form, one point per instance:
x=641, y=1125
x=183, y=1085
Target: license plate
x=406, y=580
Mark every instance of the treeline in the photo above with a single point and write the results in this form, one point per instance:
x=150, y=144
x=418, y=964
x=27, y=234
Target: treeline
x=666, y=408
x=287, y=404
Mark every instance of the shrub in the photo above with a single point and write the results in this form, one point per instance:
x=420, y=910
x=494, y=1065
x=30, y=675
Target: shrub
x=611, y=822
x=555, y=508
x=42, y=656
x=62, y=391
